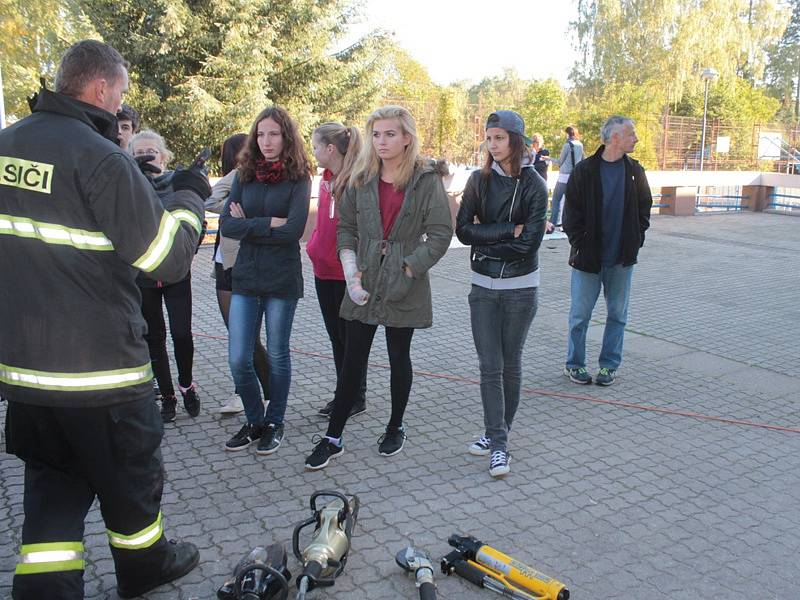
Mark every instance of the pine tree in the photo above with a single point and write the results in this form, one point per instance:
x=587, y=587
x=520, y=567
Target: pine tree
x=201, y=71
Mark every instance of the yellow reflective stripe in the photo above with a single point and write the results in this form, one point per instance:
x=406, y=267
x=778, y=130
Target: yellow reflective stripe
x=52, y=233
x=189, y=217
x=76, y=382
x=50, y=557
x=141, y=539
x=161, y=244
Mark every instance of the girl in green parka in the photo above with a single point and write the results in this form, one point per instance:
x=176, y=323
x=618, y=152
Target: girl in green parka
x=394, y=225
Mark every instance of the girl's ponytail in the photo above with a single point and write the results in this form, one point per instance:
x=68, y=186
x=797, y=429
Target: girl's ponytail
x=353, y=137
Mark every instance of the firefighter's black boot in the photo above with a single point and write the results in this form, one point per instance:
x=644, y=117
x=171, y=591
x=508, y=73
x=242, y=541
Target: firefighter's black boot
x=139, y=575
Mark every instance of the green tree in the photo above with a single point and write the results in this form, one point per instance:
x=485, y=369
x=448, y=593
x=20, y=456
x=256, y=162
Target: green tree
x=33, y=34
x=407, y=82
x=636, y=101
x=202, y=71
x=544, y=109
x=455, y=125
x=669, y=42
x=497, y=93
x=783, y=68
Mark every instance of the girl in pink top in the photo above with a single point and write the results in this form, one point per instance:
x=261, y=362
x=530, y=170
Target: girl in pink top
x=336, y=148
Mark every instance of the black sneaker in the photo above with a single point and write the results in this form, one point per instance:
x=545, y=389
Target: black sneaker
x=326, y=410
x=499, y=463
x=183, y=557
x=168, y=404
x=271, y=439
x=190, y=400
x=358, y=408
x=246, y=436
x=391, y=442
x=156, y=390
x=322, y=454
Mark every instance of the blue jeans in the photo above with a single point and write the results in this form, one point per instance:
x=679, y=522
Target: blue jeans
x=555, y=210
x=244, y=324
x=500, y=323
x=584, y=290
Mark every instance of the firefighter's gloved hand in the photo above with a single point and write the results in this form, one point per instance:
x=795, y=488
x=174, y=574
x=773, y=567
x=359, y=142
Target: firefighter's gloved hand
x=352, y=277
x=193, y=179
x=145, y=166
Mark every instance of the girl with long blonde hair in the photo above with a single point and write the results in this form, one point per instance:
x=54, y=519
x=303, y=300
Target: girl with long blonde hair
x=394, y=225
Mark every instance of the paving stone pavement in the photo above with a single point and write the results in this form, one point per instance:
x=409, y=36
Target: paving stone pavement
x=665, y=485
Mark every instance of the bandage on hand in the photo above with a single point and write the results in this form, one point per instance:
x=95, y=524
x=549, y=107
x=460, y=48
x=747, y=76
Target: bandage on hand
x=352, y=277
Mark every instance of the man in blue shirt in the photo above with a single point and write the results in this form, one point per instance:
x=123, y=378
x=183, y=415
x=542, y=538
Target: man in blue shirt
x=606, y=214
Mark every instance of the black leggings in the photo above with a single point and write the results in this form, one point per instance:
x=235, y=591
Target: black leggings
x=330, y=293
x=178, y=298
x=358, y=343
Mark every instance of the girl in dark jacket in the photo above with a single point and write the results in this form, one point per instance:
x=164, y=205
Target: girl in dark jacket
x=176, y=296
x=394, y=225
x=336, y=149
x=225, y=251
x=267, y=211
x=502, y=216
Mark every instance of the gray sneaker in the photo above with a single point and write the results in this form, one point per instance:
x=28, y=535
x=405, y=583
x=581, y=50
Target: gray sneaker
x=605, y=376
x=579, y=375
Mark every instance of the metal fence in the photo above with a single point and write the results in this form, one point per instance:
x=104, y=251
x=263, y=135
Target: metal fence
x=785, y=200
x=666, y=142
x=729, y=147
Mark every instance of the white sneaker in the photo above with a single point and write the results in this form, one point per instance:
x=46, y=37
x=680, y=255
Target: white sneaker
x=480, y=447
x=233, y=406
x=498, y=464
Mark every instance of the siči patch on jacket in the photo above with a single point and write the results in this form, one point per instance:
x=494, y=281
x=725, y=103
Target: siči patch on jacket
x=17, y=172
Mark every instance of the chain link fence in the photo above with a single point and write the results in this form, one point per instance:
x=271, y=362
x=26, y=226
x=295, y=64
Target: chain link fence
x=666, y=142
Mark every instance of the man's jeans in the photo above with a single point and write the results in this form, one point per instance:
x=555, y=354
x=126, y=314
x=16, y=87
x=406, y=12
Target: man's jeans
x=244, y=324
x=584, y=290
x=500, y=323
x=556, y=207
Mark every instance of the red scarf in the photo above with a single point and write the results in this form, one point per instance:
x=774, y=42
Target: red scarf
x=269, y=172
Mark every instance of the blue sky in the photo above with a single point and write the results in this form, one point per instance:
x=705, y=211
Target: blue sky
x=468, y=40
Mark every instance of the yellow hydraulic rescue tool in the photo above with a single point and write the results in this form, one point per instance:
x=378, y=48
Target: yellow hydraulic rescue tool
x=491, y=569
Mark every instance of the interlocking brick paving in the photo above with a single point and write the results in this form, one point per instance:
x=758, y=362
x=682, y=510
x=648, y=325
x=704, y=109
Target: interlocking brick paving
x=605, y=494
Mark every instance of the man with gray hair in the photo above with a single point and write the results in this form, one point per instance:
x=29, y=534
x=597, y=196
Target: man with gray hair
x=78, y=221
x=606, y=214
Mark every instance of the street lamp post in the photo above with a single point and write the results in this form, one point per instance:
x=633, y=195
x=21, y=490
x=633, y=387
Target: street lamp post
x=708, y=75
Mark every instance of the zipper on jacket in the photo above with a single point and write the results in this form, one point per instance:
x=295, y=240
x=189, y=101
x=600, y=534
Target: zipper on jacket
x=513, y=199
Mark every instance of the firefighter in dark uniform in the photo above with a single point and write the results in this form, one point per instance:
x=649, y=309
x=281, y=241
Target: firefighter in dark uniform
x=78, y=221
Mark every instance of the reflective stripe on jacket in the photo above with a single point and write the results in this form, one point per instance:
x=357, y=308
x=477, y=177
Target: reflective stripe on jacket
x=77, y=219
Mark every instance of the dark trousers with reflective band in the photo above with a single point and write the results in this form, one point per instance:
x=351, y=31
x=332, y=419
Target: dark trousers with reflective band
x=73, y=455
